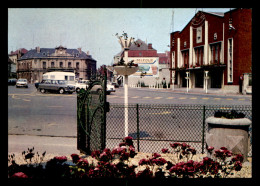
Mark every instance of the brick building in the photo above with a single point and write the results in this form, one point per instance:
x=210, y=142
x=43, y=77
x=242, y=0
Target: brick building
x=38, y=61
x=220, y=43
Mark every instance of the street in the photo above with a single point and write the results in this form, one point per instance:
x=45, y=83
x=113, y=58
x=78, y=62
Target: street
x=31, y=113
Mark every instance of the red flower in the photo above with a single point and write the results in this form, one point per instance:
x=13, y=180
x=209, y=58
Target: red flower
x=156, y=155
x=210, y=149
x=240, y=157
x=238, y=166
x=174, y=145
x=165, y=151
x=143, y=162
x=60, y=159
x=75, y=158
x=19, y=175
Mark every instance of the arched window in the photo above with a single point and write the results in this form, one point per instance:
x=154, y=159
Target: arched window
x=61, y=64
x=69, y=64
x=52, y=65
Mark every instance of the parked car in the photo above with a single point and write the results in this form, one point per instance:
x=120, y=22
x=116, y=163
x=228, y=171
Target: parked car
x=37, y=84
x=60, y=86
x=96, y=88
x=12, y=81
x=81, y=84
x=22, y=83
x=116, y=84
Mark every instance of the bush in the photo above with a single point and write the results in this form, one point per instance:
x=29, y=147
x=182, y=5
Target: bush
x=117, y=164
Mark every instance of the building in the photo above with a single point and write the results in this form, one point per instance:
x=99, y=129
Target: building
x=38, y=61
x=147, y=59
x=219, y=44
x=12, y=61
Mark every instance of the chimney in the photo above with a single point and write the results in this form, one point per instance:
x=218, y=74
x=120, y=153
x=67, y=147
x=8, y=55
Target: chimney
x=79, y=49
x=37, y=49
x=150, y=46
x=87, y=52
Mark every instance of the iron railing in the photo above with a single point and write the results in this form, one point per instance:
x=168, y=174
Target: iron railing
x=154, y=126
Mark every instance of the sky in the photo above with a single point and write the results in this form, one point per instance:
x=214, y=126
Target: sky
x=94, y=29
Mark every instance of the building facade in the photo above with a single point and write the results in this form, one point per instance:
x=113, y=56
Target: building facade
x=213, y=47
x=38, y=61
x=148, y=60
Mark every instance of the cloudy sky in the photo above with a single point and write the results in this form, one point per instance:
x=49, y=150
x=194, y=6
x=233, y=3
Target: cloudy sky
x=94, y=29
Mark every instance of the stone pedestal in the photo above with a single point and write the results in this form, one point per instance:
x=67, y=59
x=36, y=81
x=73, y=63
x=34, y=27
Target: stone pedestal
x=229, y=133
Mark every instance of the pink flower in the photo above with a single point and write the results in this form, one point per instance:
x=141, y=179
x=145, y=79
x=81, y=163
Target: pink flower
x=19, y=175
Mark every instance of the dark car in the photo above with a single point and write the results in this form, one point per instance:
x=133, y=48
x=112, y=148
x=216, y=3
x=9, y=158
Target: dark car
x=12, y=81
x=60, y=86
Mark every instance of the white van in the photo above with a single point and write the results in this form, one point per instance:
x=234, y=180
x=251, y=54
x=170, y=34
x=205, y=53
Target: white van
x=67, y=76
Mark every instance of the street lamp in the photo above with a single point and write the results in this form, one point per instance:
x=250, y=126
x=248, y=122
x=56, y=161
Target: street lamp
x=125, y=68
x=206, y=79
x=187, y=77
x=173, y=79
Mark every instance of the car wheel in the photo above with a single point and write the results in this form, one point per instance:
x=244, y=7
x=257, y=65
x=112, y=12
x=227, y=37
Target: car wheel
x=42, y=90
x=77, y=89
x=61, y=91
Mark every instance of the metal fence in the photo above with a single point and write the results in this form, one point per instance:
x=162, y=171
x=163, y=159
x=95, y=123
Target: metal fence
x=155, y=126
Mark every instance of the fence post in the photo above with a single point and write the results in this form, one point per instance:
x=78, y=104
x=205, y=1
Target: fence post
x=137, y=125
x=203, y=128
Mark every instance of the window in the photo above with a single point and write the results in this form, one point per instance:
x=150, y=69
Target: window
x=199, y=35
x=215, y=51
x=69, y=64
x=185, y=58
x=71, y=78
x=230, y=60
x=52, y=64
x=77, y=65
x=44, y=65
x=61, y=64
x=173, y=60
x=199, y=54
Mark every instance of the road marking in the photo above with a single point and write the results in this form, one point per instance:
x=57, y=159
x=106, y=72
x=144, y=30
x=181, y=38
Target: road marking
x=217, y=98
x=229, y=99
x=241, y=99
x=193, y=98
x=204, y=98
x=182, y=98
x=146, y=97
x=55, y=106
x=158, y=98
x=26, y=100
x=170, y=98
x=135, y=97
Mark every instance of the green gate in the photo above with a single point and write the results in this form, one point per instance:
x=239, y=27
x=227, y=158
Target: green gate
x=91, y=115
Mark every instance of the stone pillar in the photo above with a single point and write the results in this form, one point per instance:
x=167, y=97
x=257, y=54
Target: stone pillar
x=229, y=133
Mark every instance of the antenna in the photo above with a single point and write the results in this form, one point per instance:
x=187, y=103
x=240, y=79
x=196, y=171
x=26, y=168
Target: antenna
x=172, y=23
x=33, y=41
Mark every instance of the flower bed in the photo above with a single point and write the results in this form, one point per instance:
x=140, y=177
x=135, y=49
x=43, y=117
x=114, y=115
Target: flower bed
x=123, y=162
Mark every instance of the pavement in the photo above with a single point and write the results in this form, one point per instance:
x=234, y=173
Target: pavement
x=200, y=91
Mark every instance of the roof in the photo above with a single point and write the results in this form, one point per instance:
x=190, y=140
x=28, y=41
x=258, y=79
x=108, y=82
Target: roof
x=139, y=45
x=47, y=53
x=221, y=14
x=23, y=51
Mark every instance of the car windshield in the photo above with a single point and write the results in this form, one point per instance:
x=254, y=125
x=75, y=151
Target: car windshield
x=22, y=80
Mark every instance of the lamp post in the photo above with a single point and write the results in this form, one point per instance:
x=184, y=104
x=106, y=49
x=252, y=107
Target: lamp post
x=173, y=79
x=206, y=79
x=187, y=77
x=125, y=70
